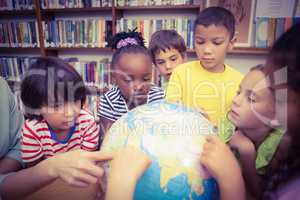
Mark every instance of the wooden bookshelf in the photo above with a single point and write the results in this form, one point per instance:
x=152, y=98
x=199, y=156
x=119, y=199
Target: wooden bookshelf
x=241, y=50
x=115, y=11
x=249, y=51
x=12, y=13
x=19, y=49
x=73, y=10
x=160, y=7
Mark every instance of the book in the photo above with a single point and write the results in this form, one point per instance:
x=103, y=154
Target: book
x=261, y=36
x=83, y=32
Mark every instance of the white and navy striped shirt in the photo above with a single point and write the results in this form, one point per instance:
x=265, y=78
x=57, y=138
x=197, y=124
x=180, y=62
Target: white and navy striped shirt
x=113, y=105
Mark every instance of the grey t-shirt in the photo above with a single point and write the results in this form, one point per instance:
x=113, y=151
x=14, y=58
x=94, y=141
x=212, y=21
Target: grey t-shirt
x=11, y=122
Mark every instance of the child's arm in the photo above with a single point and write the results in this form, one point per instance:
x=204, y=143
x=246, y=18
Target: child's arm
x=247, y=153
x=8, y=165
x=222, y=165
x=77, y=168
x=90, y=136
x=126, y=167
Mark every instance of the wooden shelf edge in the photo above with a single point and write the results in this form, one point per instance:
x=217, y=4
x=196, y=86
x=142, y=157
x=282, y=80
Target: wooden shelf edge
x=68, y=10
x=159, y=7
x=102, y=49
x=17, y=12
x=242, y=51
x=18, y=49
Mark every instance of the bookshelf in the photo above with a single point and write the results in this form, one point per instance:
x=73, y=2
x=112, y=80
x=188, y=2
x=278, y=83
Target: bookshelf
x=115, y=11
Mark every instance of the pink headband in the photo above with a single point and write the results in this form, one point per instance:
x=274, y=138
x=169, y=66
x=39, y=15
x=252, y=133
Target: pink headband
x=126, y=41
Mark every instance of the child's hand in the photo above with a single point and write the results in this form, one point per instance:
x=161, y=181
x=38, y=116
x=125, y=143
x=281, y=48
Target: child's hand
x=77, y=168
x=129, y=163
x=242, y=144
x=222, y=165
x=127, y=166
x=218, y=159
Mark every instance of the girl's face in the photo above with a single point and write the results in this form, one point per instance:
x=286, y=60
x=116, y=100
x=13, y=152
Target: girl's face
x=62, y=117
x=253, y=106
x=133, y=76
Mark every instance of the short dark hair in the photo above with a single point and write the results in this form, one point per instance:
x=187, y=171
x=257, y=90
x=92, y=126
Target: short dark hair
x=50, y=82
x=216, y=16
x=133, y=42
x=163, y=40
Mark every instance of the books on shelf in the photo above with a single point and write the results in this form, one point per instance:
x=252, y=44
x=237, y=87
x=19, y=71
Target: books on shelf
x=96, y=76
x=183, y=25
x=154, y=2
x=17, y=4
x=55, y=4
x=14, y=68
x=17, y=33
x=267, y=30
x=86, y=32
x=94, y=73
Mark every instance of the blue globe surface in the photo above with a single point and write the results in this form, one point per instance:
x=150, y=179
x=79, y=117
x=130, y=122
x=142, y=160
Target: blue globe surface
x=172, y=135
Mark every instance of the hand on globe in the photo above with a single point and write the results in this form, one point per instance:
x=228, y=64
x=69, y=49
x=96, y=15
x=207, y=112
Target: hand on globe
x=129, y=163
x=127, y=167
x=76, y=167
x=223, y=166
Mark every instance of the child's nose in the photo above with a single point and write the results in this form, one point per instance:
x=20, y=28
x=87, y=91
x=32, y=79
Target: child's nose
x=136, y=85
x=237, y=100
x=69, y=112
x=207, y=48
x=168, y=65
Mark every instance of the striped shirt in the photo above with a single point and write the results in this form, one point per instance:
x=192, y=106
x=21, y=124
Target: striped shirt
x=113, y=105
x=39, y=141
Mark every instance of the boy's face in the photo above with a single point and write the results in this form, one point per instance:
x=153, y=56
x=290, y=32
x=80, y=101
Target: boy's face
x=253, y=107
x=211, y=44
x=167, y=60
x=62, y=117
x=133, y=76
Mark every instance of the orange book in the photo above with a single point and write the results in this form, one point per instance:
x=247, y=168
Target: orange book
x=288, y=23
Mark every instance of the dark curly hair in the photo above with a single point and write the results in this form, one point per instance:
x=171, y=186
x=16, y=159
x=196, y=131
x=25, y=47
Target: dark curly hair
x=285, y=54
x=138, y=47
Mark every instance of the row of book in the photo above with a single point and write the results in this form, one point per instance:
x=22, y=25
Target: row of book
x=14, y=68
x=156, y=2
x=16, y=4
x=50, y=4
x=94, y=73
x=183, y=25
x=96, y=76
x=19, y=34
x=87, y=32
x=267, y=30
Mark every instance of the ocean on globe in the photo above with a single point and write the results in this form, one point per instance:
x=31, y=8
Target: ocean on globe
x=172, y=136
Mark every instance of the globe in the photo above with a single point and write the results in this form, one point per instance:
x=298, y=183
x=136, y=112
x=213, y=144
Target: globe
x=172, y=136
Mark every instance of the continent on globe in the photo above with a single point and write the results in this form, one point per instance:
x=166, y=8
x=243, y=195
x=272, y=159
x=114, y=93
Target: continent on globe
x=172, y=136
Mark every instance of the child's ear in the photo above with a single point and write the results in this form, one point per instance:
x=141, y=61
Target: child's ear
x=232, y=41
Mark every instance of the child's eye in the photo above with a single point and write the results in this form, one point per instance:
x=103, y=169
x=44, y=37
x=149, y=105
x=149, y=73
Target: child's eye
x=251, y=99
x=200, y=42
x=218, y=42
x=174, y=59
x=160, y=63
x=238, y=92
x=147, y=79
x=127, y=79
